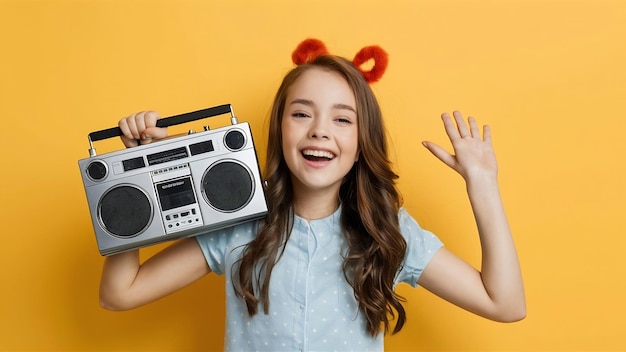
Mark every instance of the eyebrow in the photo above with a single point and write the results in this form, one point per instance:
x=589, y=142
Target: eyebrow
x=308, y=102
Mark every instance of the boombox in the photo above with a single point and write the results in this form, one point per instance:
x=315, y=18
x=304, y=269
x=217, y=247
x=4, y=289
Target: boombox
x=177, y=187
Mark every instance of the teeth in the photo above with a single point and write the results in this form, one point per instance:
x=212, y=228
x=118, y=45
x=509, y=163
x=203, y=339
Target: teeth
x=318, y=153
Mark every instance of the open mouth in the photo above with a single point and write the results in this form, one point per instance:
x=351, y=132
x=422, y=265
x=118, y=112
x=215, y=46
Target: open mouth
x=317, y=155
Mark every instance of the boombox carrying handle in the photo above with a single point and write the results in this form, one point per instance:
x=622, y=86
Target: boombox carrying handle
x=165, y=122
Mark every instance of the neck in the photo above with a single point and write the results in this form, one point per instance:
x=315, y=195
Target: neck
x=315, y=205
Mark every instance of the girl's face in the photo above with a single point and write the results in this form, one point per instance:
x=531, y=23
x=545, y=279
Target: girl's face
x=319, y=131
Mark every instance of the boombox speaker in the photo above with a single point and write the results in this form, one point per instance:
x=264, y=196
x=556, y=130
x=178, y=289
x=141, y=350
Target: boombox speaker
x=177, y=187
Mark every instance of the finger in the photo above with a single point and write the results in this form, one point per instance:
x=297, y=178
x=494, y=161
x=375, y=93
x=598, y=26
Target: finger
x=123, y=125
x=131, y=122
x=450, y=127
x=150, y=118
x=129, y=142
x=127, y=136
x=473, y=125
x=155, y=133
x=461, y=125
x=440, y=153
x=487, y=134
x=140, y=123
x=151, y=132
x=146, y=123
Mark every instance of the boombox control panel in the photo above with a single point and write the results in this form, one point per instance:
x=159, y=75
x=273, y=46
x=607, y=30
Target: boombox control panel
x=177, y=187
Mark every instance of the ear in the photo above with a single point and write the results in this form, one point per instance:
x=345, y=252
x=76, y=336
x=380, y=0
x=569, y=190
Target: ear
x=308, y=50
x=381, y=60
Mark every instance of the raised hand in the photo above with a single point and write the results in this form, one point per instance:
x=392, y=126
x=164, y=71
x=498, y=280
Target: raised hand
x=140, y=128
x=496, y=290
x=473, y=156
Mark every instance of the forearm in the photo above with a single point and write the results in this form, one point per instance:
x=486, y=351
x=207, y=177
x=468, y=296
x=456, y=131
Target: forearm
x=118, y=274
x=500, y=269
x=127, y=284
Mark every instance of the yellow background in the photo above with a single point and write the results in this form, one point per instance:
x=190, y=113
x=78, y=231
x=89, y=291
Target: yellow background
x=548, y=76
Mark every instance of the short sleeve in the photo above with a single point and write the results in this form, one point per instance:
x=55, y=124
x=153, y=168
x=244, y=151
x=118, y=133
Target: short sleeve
x=218, y=245
x=421, y=246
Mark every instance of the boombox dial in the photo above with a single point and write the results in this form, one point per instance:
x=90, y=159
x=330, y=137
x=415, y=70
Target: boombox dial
x=97, y=170
x=177, y=187
x=234, y=140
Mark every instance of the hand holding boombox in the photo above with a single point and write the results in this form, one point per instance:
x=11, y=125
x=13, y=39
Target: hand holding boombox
x=172, y=188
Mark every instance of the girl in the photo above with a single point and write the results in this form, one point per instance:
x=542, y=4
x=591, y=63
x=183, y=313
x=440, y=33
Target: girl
x=319, y=272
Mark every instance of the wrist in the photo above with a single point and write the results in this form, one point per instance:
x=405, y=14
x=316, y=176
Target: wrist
x=482, y=182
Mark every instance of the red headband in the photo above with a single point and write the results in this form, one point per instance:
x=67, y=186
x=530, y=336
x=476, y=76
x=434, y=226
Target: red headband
x=309, y=49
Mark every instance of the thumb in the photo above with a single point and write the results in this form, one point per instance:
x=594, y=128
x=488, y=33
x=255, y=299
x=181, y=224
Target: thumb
x=129, y=143
x=440, y=153
x=151, y=134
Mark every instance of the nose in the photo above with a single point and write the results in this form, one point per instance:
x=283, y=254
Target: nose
x=319, y=129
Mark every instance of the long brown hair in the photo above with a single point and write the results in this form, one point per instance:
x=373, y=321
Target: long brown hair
x=369, y=217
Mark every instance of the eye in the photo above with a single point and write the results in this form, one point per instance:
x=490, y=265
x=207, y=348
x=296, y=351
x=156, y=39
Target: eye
x=300, y=114
x=343, y=120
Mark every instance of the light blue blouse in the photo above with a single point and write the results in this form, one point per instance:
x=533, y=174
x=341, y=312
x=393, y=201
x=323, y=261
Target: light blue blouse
x=312, y=307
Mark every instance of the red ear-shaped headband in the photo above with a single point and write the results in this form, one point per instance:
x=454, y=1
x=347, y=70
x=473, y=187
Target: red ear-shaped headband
x=309, y=49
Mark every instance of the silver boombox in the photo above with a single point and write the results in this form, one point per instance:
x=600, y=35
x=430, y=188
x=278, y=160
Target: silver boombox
x=173, y=188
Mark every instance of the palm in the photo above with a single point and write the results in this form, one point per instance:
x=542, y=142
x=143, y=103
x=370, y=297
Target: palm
x=473, y=155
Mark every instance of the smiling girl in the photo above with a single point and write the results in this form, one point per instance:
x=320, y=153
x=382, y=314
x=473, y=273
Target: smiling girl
x=319, y=272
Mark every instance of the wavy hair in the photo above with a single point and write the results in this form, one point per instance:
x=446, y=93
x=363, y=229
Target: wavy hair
x=369, y=217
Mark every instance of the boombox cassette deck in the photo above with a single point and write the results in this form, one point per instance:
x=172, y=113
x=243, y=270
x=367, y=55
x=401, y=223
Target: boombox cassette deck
x=177, y=187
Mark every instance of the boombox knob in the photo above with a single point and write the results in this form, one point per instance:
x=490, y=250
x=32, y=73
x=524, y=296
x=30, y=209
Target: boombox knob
x=207, y=128
x=191, y=132
x=97, y=170
x=234, y=140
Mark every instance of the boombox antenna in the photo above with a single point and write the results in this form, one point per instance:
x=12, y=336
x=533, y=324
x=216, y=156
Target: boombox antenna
x=233, y=118
x=92, y=150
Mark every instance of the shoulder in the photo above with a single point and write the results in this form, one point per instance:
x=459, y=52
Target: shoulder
x=407, y=223
x=421, y=246
x=219, y=245
x=411, y=228
x=234, y=235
